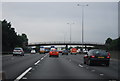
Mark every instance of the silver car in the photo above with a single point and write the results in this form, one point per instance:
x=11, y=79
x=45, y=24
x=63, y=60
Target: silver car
x=18, y=51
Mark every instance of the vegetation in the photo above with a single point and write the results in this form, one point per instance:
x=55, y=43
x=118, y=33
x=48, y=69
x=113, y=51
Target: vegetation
x=113, y=44
x=10, y=39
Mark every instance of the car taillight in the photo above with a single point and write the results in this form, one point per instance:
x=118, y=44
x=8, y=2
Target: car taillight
x=57, y=52
x=50, y=52
x=92, y=56
x=21, y=51
x=108, y=55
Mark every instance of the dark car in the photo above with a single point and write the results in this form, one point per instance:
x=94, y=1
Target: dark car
x=65, y=52
x=97, y=56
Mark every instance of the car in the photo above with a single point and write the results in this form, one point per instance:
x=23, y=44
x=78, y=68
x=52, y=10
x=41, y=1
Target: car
x=53, y=52
x=73, y=51
x=85, y=51
x=65, y=52
x=18, y=51
x=47, y=50
x=33, y=51
x=42, y=50
x=97, y=56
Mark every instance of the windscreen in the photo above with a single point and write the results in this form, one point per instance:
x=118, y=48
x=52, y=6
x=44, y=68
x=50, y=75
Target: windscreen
x=100, y=52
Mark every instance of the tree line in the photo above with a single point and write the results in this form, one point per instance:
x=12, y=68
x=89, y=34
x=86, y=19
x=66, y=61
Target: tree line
x=10, y=39
x=113, y=44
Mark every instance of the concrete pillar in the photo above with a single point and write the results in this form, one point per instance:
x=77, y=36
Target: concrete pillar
x=66, y=47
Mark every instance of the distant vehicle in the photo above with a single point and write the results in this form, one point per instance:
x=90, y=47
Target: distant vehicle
x=65, y=52
x=47, y=50
x=97, y=56
x=42, y=50
x=85, y=51
x=59, y=49
x=73, y=51
x=18, y=51
x=53, y=52
x=33, y=51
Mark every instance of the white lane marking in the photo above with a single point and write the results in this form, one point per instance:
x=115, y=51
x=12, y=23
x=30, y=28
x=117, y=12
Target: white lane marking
x=101, y=74
x=42, y=58
x=93, y=70
x=37, y=62
x=80, y=65
x=23, y=74
x=24, y=78
x=45, y=55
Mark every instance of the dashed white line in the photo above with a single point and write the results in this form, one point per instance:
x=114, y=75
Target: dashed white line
x=37, y=62
x=42, y=58
x=80, y=65
x=45, y=55
x=23, y=74
x=101, y=74
x=24, y=78
x=93, y=70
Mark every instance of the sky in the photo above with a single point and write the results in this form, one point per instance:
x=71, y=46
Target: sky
x=47, y=21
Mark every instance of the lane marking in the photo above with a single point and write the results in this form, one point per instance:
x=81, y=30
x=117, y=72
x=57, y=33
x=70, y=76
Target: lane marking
x=80, y=65
x=42, y=58
x=37, y=62
x=93, y=70
x=23, y=74
x=45, y=55
x=101, y=74
x=24, y=78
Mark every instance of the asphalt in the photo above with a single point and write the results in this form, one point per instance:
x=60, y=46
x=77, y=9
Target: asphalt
x=64, y=67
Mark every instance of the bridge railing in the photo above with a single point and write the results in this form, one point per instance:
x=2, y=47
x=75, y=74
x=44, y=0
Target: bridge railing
x=65, y=42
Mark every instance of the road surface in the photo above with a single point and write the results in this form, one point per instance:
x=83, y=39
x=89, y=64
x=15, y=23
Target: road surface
x=41, y=66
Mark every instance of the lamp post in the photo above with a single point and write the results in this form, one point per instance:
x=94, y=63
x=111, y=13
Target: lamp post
x=70, y=31
x=82, y=23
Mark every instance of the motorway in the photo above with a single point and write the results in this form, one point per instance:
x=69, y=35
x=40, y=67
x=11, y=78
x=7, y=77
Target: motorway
x=41, y=66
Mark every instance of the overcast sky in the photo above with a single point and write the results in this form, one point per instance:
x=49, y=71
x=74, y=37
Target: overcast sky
x=47, y=21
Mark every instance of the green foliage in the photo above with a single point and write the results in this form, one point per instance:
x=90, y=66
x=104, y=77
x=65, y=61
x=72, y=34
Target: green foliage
x=10, y=39
x=113, y=44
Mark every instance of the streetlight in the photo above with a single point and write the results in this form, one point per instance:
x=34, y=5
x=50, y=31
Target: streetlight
x=70, y=31
x=82, y=23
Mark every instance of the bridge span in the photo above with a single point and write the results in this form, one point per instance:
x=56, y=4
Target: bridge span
x=65, y=43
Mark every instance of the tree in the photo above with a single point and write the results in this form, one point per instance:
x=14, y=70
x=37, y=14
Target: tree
x=108, y=41
x=10, y=39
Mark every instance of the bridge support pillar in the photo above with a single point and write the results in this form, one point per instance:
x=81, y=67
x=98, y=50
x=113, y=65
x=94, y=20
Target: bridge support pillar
x=66, y=47
x=85, y=47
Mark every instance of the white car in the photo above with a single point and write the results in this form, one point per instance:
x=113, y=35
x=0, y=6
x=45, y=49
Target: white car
x=33, y=51
x=18, y=51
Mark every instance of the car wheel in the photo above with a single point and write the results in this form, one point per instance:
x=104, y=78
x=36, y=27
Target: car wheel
x=49, y=55
x=84, y=61
x=13, y=55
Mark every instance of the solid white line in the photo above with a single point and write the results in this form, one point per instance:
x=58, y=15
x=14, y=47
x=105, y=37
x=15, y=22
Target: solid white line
x=37, y=62
x=23, y=74
x=80, y=65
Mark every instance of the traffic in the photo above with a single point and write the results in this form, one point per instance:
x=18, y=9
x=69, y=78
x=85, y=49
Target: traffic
x=91, y=57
